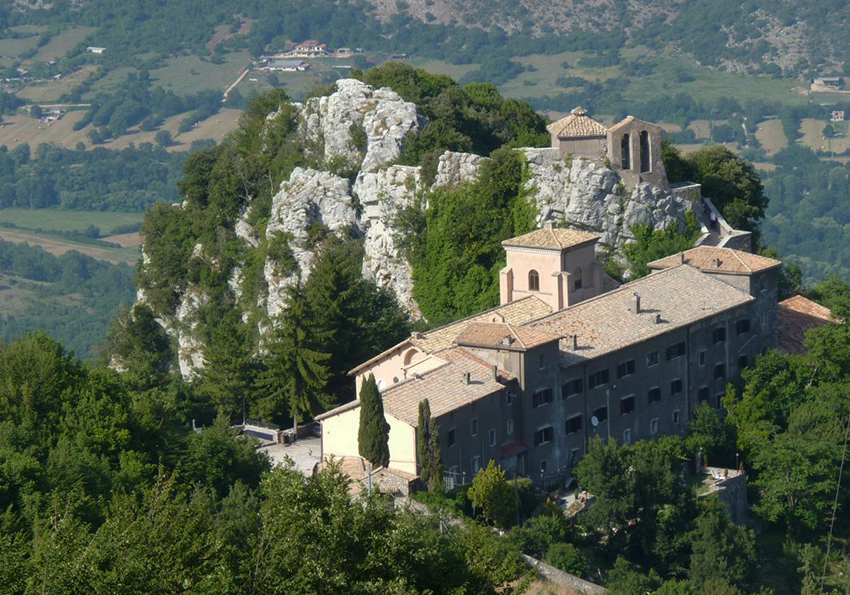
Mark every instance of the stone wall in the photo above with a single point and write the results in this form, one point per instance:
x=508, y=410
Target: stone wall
x=732, y=491
x=564, y=579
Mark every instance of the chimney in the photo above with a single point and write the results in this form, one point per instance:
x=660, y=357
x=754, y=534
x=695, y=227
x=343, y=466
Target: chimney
x=658, y=319
x=681, y=258
x=495, y=372
x=549, y=224
x=716, y=263
x=466, y=378
x=416, y=335
x=636, y=303
x=575, y=342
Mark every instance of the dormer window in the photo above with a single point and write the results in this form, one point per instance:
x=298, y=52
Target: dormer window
x=533, y=281
x=577, y=279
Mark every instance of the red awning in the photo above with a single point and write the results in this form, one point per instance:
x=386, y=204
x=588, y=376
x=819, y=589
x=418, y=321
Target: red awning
x=513, y=449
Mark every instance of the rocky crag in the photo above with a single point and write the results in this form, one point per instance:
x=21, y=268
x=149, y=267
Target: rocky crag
x=367, y=128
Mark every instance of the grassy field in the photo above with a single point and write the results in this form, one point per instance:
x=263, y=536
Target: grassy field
x=60, y=220
x=19, y=129
x=63, y=43
x=812, y=131
x=12, y=48
x=58, y=246
x=771, y=136
x=109, y=83
x=189, y=74
x=708, y=84
x=50, y=91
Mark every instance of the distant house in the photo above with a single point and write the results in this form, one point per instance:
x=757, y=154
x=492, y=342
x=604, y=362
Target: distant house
x=837, y=115
x=288, y=65
x=833, y=82
x=310, y=48
x=95, y=50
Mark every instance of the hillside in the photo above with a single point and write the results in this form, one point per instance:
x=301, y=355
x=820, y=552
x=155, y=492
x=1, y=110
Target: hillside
x=793, y=35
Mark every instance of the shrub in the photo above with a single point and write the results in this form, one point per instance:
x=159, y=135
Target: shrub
x=568, y=558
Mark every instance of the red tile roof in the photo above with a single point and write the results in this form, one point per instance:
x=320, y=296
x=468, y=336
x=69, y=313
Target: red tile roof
x=493, y=335
x=797, y=315
x=718, y=260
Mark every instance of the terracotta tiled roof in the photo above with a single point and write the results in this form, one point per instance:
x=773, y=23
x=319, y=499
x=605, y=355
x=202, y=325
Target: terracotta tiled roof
x=718, y=260
x=797, y=315
x=445, y=389
x=577, y=125
x=518, y=312
x=622, y=123
x=492, y=335
x=606, y=323
x=462, y=357
x=551, y=239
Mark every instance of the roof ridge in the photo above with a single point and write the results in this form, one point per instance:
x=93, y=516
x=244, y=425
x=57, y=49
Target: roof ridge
x=417, y=376
x=471, y=316
x=516, y=335
x=741, y=260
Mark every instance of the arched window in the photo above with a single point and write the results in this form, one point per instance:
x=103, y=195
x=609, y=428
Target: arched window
x=408, y=357
x=533, y=281
x=625, y=152
x=577, y=279
x=645, y=153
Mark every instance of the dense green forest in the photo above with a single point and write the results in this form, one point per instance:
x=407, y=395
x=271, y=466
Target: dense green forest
x=74, y=297
x=128, y=180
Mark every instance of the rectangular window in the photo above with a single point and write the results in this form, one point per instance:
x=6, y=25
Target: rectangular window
x=702, y=395
x=651, y=359
x=451, y=437
x=573, y=424
x=626, y=368
x=601, y=414
x=676, y=386
x=509, y=427
x=676, y=350
x=742, y=362
x=719, y=399
x=543, y=435
x=572, y=388
x=492, y=437
x=676, y=417
x=718, y=335
x=719, y=372
x=627, y=405
x=476, y=464
x=574, y=454
x=598, y=378
x=654, y=394
x=627, y=436
x=509, y=398
x=473, y=426
x=702, y=358
x=541, y=398
x=742, y=326
x=542, y=466
x=653, y=426
x=541, y=363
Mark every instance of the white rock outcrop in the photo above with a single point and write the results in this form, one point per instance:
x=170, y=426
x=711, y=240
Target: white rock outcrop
x=589, y=196
x=308, y=198
x=383, y=195
x=385, y=118
x=454, y=168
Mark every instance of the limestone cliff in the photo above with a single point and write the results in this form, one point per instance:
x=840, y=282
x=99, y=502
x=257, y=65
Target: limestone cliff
x=367, y=129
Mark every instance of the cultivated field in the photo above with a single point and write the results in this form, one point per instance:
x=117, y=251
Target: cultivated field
x=812, y=131
x=189, y=74
x=63, y=43
x=771, y=136
x=59, y=247
x=18, y=129
x=50, y=91
x=61, y=220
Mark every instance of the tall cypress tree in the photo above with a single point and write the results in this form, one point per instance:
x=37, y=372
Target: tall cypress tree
x=296, y=378
x=428, y=448
x=374, y=434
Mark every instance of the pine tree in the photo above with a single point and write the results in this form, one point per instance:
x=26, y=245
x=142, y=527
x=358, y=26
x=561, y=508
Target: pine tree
x=428, y=448
x=296, y=378
x=373, y=437
x=229, y=368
